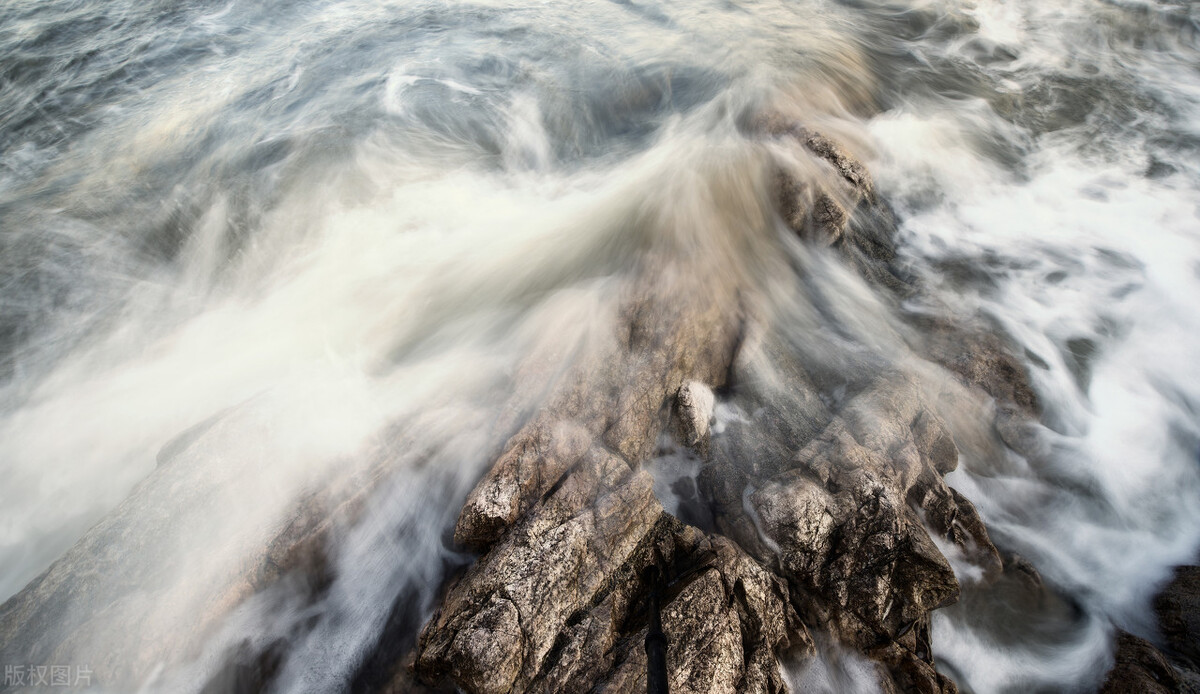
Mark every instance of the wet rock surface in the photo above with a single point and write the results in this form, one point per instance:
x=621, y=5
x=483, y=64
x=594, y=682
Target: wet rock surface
x=1141, y=668
x=818, y=520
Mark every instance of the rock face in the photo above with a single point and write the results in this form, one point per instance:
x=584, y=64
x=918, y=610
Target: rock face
x=672, y=336
x=501, y=621
x=838, y=208
x=835, y=542
x=1141, y=667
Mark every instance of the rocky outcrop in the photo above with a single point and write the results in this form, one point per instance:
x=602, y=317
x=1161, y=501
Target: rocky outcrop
x=1139, y=666
x=560, y=604
x=849, y=526
x=823, y=512
x=821, y=518
x=499, y=623
x=841, y=210
x=979, y=355
x=839, y=542
x=834, y=203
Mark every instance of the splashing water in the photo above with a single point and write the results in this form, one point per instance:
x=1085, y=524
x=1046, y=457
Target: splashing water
x=263, y=247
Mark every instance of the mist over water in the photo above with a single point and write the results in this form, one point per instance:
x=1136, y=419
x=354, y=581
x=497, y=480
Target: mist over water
x=274, y=246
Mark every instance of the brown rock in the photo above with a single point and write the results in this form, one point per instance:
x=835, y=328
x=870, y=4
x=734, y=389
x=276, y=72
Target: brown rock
x=843, y=526
x=981, y=358
x=536, y=458
x=519, y=596
x=725, y=617
x=674, y=329
x=694, y=405
x=1139, y=669
x=725, y=621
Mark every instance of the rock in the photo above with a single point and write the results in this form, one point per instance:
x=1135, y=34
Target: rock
x=536, y=458
x=825, y=500
x=861, y=552
x=557, y=605
x=848, y=525
x=819, y=211
x=846, y=166
x=843, y=211
x=695, y=404
x=1178, y=609
x=1139, y=669
x=519, y=596
x=669, y=334
x=482, y=654
x=981, y=358
x=909, y=663
x=839, y=209
x=726, y=621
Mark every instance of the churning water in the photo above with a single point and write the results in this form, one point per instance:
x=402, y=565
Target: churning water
x=266, y=243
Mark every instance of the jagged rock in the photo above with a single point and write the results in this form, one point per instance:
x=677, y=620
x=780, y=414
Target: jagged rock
x=909, y=663
x=1178, y=610
x=839, y=209
x=498, y=624
x=726, y=621
x=1139, y=669
x=551, y=607
x=860, y=550
x=535, y=459
x=847, y=526
x=820, y=211
x=827, y=508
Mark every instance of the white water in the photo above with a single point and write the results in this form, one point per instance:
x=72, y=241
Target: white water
x=320, y=223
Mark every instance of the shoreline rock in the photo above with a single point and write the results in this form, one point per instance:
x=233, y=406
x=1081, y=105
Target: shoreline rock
x=819, y=517
x=826, y=532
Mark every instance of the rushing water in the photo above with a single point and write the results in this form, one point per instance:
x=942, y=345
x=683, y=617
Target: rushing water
x=286, y=227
